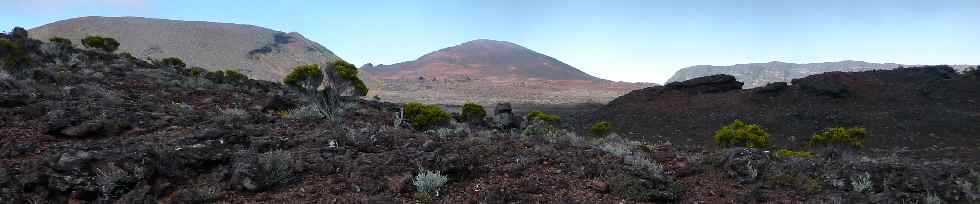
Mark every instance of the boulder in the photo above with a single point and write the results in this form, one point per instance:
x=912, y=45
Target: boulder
x=282, y=102
x=14, y=94
x=504, y=118
x=707, y=84
x=746, y=165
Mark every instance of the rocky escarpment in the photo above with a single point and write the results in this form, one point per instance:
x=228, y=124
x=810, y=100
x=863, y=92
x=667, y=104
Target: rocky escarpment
x=760, y=74
x=918, y=107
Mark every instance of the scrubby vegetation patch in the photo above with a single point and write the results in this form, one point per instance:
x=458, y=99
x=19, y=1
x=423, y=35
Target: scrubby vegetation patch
x=739, y=133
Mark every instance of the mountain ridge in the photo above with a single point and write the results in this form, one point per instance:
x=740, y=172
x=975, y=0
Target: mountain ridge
x=760, y=74
x=259, y=52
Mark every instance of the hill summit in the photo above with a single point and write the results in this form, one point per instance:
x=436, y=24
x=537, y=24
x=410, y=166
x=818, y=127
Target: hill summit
x=489, y=71
x=483, y=58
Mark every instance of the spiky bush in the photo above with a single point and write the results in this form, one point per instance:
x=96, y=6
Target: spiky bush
x=429, y=182
x=101, y=43
x=543, y=116
x=861, y=182
x=739, y=133
x=932, y=198
x=644, y=163
x=423, y=117
x=274, y=167
x=853, y=137
x=473, y=112
x=601, y=128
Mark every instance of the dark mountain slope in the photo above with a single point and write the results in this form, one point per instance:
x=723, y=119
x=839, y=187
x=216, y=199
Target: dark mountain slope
x=910, y=107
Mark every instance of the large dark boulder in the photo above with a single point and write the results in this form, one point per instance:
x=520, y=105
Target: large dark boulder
x=504, y=118
x=745, y=165
x=707, y=84
x=14, y=94
x=283, y=101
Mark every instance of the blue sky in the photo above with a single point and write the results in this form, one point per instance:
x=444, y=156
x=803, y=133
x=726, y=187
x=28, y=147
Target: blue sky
x=613, y=39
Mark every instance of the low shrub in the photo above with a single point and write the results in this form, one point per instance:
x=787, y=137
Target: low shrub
x=61, y=41
x=791, y=153
x=853, y=137
x=13, y=53
x=601, y=128
x=543, y=116
x=473, y=112
x=197, y=71
x=429, y=182
x=234, y=76
x=172, y=62
x=101, y=43
x=274, y=167
x=226, y=76
x=423, y=117
x=739, y=133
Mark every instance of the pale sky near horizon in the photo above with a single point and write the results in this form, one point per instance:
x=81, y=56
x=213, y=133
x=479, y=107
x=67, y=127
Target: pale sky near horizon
x=618, y=40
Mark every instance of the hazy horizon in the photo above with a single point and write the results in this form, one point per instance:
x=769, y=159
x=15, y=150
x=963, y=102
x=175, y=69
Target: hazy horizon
x=623, y=41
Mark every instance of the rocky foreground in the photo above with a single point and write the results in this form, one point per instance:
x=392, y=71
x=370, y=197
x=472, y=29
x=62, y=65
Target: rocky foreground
x=86, y=126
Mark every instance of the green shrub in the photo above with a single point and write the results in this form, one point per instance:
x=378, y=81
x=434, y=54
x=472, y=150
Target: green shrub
x=234, y=76
x=473, y=112
x=348, y=72
x=424, y=117
x=15, y=54
x=172, y=62
x=601, y=128
x=739, y=133
x=61, y=41
x=305, y=77
x=543, y=116
x=853, y=137
x=197, y=71
x=429, y=182
x=791, y=153
x=101, y=43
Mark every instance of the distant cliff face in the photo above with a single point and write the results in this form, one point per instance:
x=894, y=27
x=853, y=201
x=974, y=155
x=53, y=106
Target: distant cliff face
x=489, y=71
x=258, y=52
x=760, y=74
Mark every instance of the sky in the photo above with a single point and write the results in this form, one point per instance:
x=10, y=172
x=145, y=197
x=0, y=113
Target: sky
x=622, y=40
